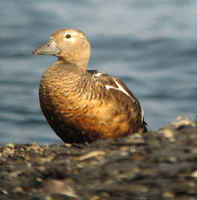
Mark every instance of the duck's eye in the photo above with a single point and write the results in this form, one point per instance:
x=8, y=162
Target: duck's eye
x=68, y=36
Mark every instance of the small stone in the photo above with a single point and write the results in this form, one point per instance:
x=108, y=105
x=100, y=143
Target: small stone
x=167, y=133
x=48, y=198
x=90, y=155
x=194, y=174
x=95, y=198
x=183, y=121
x=18, y=190
x=168, y=195
x=172, y=159
x=68, y=145
x=11, y=145
x=39, y=179
x=4, y=191
x=133, y=149
x=14, y=174
x=65, y=187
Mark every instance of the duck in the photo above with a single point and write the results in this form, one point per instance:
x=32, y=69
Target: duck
x=84, y=105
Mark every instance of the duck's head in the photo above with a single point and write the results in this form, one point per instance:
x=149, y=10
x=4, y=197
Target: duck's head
x=69, y=45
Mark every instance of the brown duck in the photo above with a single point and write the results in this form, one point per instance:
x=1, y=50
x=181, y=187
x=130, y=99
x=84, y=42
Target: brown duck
x=83, y=105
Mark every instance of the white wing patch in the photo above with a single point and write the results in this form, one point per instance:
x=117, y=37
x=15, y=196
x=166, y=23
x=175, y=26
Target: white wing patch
x=120, y=88
x=142, y=113
x=98, y=74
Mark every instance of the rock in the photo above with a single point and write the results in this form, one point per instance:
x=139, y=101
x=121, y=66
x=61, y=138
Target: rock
x=157, y=165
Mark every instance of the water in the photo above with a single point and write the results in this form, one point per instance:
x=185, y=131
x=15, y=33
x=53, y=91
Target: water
x=150, y=45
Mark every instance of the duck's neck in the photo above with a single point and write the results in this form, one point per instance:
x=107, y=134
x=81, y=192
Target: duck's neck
x=82, y=64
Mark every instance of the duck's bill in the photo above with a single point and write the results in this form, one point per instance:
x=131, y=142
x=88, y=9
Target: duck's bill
x=48, y=48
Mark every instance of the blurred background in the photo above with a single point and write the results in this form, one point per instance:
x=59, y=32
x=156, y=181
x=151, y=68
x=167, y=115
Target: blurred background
x=150, y=45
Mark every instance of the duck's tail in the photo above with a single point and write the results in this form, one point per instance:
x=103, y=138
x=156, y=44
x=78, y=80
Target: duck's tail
x=145, y=126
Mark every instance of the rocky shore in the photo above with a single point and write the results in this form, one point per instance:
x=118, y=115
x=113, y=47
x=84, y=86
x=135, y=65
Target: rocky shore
x=157, y=165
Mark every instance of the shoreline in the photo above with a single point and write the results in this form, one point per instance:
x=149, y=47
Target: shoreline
x=159, y=164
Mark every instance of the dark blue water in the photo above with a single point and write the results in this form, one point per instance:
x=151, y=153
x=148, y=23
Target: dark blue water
x=151, y=45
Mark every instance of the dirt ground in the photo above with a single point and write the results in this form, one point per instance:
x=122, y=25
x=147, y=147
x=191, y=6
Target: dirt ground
x=157, y=165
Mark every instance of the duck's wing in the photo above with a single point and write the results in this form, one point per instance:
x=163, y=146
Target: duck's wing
x=130, y=94
x=110, y=82
x=113, y=83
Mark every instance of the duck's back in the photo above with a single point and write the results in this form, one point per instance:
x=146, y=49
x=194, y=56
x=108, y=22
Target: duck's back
x=81, y=106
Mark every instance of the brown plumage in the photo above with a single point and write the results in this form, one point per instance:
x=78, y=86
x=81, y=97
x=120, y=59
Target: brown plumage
x=82, y=105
